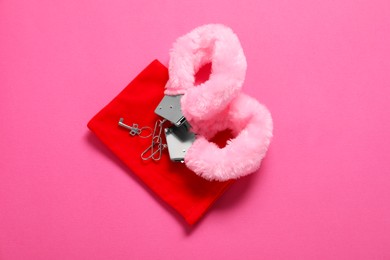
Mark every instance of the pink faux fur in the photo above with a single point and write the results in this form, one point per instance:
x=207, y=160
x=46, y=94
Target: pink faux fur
x=217, y=104
x=213, y=43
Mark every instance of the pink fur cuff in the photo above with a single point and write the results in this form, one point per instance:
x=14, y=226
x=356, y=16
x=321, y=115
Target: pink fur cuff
x=218, y=104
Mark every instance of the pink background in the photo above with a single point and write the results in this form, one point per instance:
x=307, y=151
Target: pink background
x=321, y=67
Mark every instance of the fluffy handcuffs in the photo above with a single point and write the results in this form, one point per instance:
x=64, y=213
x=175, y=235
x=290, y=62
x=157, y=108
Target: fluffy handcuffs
x=218, y=104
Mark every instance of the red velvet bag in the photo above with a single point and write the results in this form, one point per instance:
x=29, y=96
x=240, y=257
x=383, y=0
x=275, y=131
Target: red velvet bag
x=173, y=182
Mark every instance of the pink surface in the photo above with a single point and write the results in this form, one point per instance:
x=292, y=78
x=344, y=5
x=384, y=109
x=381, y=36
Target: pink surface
x=321, y=67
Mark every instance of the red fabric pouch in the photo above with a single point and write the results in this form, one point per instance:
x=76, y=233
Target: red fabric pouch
x=173, y=182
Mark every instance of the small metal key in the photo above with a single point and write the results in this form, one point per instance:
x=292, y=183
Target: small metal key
x=134, y=130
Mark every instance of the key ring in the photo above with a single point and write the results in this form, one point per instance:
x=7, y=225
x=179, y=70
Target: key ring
x=145, y=128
